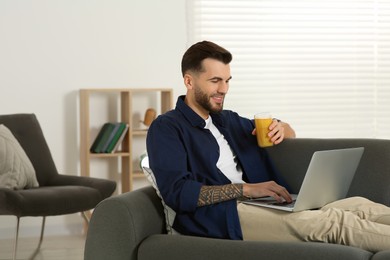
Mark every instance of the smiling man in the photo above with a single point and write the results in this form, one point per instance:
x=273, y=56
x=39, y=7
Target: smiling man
x=204, y=157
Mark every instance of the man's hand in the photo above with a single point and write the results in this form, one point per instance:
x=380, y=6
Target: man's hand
x=270, y=188
x=219, y=193
x=278, y=130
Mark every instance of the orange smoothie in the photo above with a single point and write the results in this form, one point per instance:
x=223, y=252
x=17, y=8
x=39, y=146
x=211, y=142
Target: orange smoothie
x=262, y=131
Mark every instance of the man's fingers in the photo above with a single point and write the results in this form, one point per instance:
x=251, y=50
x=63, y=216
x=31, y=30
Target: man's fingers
x=281, y=193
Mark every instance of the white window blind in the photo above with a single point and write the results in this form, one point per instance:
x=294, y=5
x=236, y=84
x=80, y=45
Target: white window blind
x=323, y=66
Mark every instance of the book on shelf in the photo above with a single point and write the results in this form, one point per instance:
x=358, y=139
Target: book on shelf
x=102, y=137
x=108, y=137
x=118, y=138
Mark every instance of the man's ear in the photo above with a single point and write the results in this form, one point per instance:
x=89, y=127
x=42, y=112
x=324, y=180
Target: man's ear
x=188, y=81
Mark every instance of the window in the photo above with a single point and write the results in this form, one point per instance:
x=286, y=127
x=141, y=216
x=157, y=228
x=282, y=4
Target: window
x=323, y=66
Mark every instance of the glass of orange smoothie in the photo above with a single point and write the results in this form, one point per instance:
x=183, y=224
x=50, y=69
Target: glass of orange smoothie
x=262, y=121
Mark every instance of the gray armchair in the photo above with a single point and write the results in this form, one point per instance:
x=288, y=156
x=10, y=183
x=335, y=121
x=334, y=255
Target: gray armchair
x=132, y=225
x=57, y=194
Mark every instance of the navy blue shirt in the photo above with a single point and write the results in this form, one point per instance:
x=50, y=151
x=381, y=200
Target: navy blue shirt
x=183, y=156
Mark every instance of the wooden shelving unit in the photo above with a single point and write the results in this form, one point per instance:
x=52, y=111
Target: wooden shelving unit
x=126, y=95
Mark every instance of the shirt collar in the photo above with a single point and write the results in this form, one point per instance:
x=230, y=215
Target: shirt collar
x=194, y=118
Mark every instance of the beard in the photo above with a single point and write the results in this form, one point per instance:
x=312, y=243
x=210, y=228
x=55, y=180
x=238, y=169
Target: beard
x=203, y=99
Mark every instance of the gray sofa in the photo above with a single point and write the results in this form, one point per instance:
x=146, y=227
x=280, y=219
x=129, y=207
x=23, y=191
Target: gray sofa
x=131, y=225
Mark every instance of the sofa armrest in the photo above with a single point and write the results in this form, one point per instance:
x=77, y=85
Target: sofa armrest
x=120, y=223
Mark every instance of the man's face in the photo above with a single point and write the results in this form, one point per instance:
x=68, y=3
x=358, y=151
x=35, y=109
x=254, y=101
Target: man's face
x=209, y=87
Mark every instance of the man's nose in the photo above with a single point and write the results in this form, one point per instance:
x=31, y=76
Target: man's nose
x=223, y=87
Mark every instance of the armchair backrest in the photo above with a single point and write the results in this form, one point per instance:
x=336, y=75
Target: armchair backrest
x=28, y=132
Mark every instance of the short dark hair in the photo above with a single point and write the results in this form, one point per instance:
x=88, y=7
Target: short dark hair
x=193, y=57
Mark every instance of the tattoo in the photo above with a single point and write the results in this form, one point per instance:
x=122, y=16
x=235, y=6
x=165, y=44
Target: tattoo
x=215, y=194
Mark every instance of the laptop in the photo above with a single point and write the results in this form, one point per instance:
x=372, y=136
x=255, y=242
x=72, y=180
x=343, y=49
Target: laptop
x=327, y=179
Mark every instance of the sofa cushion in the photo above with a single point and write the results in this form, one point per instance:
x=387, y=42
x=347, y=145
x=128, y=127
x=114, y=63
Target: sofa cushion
x=170, y=214
x=165, y=247
x=16, y=169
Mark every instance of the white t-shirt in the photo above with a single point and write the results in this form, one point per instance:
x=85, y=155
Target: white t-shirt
x=227, y=162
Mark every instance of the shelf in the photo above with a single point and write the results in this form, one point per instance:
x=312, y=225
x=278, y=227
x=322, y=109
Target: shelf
x=126, y=113
x=140, y=132
x=116, y=154
x=138, y=174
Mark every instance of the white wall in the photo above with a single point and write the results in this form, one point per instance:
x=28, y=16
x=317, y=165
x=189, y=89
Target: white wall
x=49, y=49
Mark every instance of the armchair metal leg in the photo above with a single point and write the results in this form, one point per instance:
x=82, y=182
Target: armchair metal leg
x=40, y=239
x=86, y=216
x=17, y=238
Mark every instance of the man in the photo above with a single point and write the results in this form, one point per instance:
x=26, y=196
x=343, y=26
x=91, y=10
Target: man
x=204, y=158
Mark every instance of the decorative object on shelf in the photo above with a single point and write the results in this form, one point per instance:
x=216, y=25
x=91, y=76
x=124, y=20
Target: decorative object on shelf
x=150, y=115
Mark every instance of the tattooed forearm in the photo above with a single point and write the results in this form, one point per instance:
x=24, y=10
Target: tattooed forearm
x=214, y=194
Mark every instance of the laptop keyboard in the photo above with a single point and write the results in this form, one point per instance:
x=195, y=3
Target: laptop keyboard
x=284, y=203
